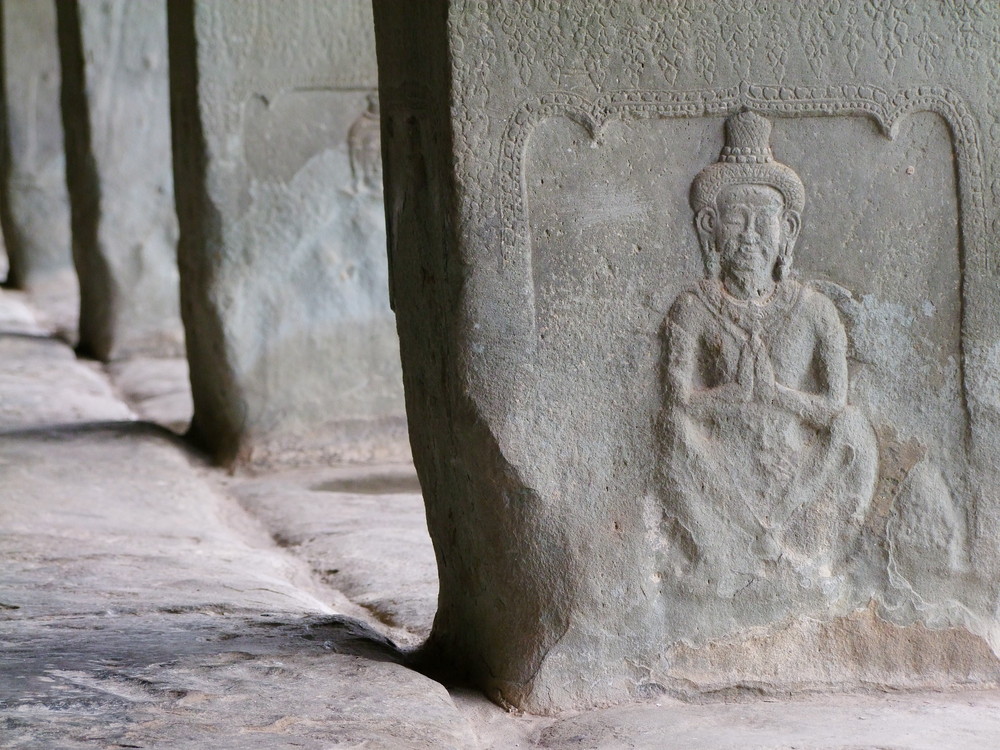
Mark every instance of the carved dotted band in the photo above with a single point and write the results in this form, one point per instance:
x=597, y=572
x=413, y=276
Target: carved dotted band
x=735, y=154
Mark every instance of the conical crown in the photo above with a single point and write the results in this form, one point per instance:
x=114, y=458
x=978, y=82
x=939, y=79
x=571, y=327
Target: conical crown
x=746, y=159
x=748, y=139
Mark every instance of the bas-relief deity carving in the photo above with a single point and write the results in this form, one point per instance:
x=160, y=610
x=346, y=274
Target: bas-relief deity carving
x=769, y=470
x=365, y=149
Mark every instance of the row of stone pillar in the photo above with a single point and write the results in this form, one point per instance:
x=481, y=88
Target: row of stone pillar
x=636, y=481
x=271, y=247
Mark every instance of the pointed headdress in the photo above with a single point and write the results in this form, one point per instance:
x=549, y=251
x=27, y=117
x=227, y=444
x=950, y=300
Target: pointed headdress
x=746, y=159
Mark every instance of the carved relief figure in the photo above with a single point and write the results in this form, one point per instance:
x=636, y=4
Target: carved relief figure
x=365, y=148
x=766, y=463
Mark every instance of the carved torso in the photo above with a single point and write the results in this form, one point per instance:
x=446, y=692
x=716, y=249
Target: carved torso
x=778, y=476
x=792, y=323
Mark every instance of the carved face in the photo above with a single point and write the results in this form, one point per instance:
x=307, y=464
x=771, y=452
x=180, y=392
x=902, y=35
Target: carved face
x=749, y=231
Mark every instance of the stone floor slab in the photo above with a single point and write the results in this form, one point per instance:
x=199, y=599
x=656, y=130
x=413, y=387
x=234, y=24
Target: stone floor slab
x=115, y=517
x=362, y=529
x=157, y=389
x=197, y=681
x=141, y=607
x=966, y=721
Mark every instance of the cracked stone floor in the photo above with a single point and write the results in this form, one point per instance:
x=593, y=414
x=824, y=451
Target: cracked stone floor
x=150, y=600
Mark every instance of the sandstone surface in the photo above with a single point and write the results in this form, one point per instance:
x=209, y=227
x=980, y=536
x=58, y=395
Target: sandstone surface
x=645, y=472
x=34, y=207
x=140, y=605
x=362, y=529
x=116, y=115
x=292, y=344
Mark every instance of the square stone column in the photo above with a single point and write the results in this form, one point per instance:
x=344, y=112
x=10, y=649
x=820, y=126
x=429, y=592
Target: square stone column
x=292, y=345
x=701, y=401
x=34, y=208
x=116, y=114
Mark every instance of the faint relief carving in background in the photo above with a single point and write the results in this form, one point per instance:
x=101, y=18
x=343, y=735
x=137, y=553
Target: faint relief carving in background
x=364, y=145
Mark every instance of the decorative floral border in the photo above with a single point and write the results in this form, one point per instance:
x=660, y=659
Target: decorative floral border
x=886, y=109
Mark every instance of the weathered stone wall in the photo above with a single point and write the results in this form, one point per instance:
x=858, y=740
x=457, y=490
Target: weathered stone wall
x=34, y=208
x=116, y=115
x=596, y=539
x=292, y=345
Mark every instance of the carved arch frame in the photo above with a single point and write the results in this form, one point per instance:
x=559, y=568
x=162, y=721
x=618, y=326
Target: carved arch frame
x=886, y=109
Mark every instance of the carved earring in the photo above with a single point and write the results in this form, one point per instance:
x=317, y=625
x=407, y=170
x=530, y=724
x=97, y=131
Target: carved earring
x=784, y=262
x=704, y=223
x=713, y=269
x=710, y=258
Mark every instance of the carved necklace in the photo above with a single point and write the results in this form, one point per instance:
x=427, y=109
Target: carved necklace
x=750, y=316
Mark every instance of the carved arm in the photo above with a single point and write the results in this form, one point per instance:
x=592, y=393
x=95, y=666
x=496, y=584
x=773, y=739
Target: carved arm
x=831, y=359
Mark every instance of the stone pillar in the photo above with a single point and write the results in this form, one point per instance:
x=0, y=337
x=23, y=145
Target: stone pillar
x=292, y=344
x=34, y=209
x=700, y=401
x=116, y=114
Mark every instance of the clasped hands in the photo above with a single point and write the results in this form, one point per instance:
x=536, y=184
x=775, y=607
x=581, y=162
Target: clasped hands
x=755, y=373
